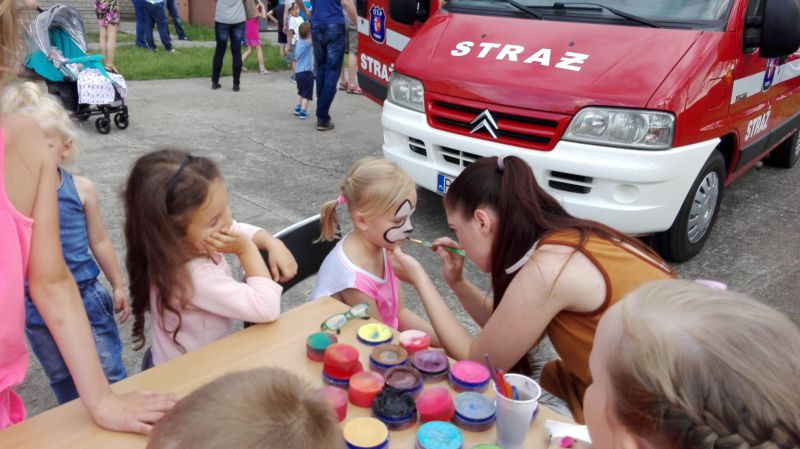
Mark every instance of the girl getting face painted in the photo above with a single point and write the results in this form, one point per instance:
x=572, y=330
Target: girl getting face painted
x=402, y=216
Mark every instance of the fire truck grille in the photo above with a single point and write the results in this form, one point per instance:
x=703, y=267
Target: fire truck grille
x=520, y=128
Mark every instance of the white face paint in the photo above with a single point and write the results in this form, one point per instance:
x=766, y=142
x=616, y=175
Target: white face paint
x=403, y=230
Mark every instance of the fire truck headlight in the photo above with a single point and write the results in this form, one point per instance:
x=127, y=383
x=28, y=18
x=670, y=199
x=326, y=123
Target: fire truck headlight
x=626, y=128
x=407, y=92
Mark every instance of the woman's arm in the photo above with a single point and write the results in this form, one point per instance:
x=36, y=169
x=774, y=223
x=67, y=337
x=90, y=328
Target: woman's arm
x=410, y=320
x=56, y=296
x=101, y=245
x=477, y=303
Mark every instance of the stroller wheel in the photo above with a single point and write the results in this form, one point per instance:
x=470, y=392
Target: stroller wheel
x=121, y=120
x=103, y=125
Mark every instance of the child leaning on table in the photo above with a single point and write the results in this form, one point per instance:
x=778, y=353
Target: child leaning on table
x=178, y=226
x=265, y=408
x=82, y=230
x=678, y=365
x=380, y=198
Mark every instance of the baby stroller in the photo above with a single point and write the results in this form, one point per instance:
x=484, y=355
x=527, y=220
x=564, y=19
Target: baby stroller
x=58, y=55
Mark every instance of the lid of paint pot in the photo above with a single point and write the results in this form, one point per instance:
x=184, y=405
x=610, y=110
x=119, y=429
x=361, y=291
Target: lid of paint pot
x=430, y=361
x=319, y=341
x=470, y=372
x=414, y=338
x=365, y=433
x=486, y=446
x=389, y=355
x=435, y=401
x=402, y=377
x=394, y=406
x=439, y=435
x=375, y=333
x=475, y=407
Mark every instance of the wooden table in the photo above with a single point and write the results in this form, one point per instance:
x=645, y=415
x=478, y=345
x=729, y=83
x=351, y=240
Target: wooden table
x=281, y=343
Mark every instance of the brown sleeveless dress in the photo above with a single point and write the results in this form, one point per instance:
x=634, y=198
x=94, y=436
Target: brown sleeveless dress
x=572, y=333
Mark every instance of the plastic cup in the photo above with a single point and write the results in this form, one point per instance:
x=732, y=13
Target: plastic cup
x=514, y=417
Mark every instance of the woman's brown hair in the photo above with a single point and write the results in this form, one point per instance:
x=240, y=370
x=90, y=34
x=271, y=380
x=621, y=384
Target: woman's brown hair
x=697, y=368
x=164, y=189
x=525, y=212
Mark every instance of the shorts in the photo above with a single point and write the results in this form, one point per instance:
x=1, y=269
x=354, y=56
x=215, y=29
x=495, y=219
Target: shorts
x=352, y=40
x=107, y=12
x=282, y=38
x=305, y=84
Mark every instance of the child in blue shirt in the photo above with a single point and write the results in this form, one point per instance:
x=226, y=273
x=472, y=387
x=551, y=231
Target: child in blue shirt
x=304, y=74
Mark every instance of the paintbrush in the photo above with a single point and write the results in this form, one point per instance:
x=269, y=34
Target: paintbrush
x=460, y=252
x=497, y=376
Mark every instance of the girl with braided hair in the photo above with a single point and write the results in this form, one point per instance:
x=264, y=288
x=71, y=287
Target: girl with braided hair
x=681, y=366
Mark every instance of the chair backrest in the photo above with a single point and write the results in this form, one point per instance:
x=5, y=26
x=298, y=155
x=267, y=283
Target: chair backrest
x=299, y=238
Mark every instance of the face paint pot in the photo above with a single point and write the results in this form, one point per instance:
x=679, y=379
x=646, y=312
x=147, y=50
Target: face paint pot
x=395, y=408
x=364, y=386
x=374, y=334
x=365, y=433
x=432, y=364
x=339, y=363
x=439, y=435
x=384, y=357
x=435, y=404
x=405, y=379
x=486, y=446
x=337, y=398
x=414, y=341
x=468, y=375
x=316, y=344
x=474, y=412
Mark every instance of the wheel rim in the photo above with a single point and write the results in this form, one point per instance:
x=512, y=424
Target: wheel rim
x=704, y=207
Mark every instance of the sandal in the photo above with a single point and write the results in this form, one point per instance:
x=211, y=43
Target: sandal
x=111, y=68
x=343, y=86
x=355, y=91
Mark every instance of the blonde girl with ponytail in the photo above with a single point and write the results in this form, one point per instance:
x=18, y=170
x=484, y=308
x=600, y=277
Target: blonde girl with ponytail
x=380, y=199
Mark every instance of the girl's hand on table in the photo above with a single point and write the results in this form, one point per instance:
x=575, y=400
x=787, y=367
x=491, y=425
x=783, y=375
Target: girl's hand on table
x=405, y=267
x=452, y=264
x=134, y=412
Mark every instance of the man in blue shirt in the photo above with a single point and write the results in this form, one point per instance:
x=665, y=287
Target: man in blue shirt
x=329, y=35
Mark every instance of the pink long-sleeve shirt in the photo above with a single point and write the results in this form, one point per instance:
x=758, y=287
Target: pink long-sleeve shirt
x=218, y=304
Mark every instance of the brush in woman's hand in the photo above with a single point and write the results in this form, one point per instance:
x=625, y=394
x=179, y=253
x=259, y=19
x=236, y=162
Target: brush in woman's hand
x=460, y=252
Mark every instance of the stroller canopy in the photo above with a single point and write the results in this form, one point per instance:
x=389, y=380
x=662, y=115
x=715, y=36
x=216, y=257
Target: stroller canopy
x=64, y=17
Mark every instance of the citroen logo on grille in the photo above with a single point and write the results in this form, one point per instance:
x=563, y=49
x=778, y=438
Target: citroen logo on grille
x=485, y=121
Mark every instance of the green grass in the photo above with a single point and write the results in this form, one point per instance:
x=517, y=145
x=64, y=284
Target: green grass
x=193, y=62
x=94, y=38
x=195, y=32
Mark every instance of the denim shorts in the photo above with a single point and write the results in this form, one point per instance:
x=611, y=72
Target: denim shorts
x=100, y=311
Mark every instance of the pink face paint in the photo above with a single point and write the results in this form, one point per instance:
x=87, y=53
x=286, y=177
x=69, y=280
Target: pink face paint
x=435, y=404
x=414, y=340
x=364, y=386
x=403, y=230
x=404, y=378
x=433, y=365
x=337, y=399
x=468, y=375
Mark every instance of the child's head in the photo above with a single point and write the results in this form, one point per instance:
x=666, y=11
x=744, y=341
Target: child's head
x=677, y=365
x=294, y=10
x=173, y=202
x=266, y=408
x=61, y=133
x=380, y=198
x=305, y=30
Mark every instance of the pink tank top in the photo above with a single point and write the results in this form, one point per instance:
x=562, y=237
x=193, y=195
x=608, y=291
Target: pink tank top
x=15, y=239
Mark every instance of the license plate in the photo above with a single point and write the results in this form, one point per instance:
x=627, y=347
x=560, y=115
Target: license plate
x=443, y=182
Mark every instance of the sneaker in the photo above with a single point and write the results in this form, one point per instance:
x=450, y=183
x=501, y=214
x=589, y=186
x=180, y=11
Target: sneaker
x=185, y=38
x=297, y=110
x=171, y=50
x=244, y=68
x=303, y=115
x=325, y=126
x=264, y=71
x=292, y=79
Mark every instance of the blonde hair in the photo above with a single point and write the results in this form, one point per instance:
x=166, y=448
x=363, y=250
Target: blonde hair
x=372, y=187
x=697, y=368
x=266, y=408
x=28, y=99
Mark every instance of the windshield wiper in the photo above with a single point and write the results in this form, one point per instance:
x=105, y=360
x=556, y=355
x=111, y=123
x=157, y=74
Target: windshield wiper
x=623, y=14
x=523, y=8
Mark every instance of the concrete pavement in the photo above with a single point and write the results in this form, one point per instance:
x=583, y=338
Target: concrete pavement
x=279, y=170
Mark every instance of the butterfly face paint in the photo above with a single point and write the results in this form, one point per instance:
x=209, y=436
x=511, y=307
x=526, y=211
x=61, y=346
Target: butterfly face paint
x=402, y=231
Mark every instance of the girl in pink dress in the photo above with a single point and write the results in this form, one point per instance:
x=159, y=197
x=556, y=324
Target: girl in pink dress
x=253, y=39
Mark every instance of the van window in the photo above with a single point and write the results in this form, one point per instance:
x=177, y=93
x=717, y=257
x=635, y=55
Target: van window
x=703, y=14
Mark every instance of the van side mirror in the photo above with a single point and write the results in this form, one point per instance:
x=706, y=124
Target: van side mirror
x=403, y=11
x=780, y=28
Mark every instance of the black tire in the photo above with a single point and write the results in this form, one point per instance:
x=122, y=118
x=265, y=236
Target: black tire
x=103, y=125
x=121, y=120
x=786, y=154
x=683, y=240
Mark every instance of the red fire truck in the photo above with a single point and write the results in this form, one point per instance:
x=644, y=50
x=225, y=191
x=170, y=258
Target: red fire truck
x=634, y=113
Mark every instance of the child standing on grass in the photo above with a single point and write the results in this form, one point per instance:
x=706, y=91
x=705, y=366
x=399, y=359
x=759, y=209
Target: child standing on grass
x=305, y=71
x=253, y=39
x=380, y=199
x=81, y=230
x=178, y=226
